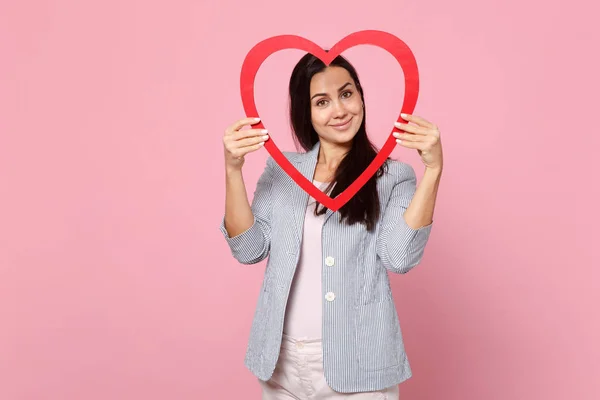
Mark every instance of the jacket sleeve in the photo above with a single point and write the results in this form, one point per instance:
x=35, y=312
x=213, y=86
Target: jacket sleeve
x=399, y=246
x=253, y=245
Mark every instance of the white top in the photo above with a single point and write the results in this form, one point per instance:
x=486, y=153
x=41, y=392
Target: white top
x=304, y=308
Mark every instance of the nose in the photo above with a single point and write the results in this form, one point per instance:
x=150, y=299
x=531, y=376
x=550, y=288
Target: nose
x=338, y=109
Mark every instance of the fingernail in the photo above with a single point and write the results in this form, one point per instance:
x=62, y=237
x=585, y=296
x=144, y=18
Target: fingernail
x=398, y=141
x=261, y=144
x=398, y=124
x=257, y=119
x=265, y=137
x=264, y=131
x=397, y=134
x=403, y=115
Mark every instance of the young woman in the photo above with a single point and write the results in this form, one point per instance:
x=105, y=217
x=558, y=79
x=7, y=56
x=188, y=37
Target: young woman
x=325, y=325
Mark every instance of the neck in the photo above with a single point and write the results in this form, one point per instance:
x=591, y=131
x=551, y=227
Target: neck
x=331, y=155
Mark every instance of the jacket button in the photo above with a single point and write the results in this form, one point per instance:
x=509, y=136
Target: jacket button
x=329, y=261
x=330, y=296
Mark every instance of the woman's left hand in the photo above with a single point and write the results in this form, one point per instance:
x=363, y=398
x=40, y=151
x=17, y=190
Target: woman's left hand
x=423, y=136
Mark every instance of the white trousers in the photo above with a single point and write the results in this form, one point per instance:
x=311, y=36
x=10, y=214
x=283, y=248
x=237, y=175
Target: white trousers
x=299, y=375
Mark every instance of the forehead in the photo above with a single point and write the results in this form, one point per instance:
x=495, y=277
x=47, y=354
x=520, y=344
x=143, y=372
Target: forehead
x=329, y=80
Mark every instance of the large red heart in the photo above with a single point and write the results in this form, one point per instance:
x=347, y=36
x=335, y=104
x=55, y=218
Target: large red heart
x=396, y=47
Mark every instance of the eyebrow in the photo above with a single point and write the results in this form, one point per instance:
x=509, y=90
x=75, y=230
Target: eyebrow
x=325, y=94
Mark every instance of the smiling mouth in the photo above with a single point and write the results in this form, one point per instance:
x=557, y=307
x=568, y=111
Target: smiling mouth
x=342, y=125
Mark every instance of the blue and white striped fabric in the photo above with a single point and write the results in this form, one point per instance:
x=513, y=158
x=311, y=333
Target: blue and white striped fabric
x=363, y=348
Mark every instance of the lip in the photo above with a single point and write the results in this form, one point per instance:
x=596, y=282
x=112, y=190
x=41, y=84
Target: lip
x=342, y=127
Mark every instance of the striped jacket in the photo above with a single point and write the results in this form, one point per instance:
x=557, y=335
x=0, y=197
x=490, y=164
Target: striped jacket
x=363, y=348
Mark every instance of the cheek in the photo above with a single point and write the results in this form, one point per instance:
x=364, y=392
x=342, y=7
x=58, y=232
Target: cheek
x=319, y=116
x=359, y=111
x=356, y=108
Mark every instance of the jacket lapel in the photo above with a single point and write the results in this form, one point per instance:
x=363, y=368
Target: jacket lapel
x=305, y=164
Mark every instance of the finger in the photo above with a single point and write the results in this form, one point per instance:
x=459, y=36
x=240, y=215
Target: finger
x=241, y=123
x=410, y=145
x=409, y=137
x=249, y=141
x=241, y=152
x=417, y=130
x=417, y=120
x=246, y=133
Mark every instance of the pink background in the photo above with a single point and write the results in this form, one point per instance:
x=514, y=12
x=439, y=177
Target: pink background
x=115, y=282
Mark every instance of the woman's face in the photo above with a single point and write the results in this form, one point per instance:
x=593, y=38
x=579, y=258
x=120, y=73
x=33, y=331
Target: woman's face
x=336, y=107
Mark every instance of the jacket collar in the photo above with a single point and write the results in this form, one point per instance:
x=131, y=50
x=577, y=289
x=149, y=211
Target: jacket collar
x=311, y=155
x=305, y=163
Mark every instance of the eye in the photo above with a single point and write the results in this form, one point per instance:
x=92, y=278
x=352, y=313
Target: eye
x=348, y=93
x=321, y=102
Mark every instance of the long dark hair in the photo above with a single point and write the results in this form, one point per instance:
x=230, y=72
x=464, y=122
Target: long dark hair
x=364, y=206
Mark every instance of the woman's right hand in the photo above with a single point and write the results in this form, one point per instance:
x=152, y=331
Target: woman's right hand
x=239, y=142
